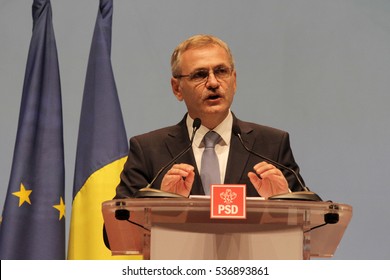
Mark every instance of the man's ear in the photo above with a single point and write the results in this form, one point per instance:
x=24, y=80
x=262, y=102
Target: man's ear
x=175, y=83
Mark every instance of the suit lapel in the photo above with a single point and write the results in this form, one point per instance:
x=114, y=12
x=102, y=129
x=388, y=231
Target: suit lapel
x=238, y=156
x=177, y=141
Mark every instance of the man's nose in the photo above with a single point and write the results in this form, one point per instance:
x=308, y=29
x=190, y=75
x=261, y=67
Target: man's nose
x=212, y=81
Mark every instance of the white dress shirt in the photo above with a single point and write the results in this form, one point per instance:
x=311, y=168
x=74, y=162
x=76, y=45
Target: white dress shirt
x=224, y=129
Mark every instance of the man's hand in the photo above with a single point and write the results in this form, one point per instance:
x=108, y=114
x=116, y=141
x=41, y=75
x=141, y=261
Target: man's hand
x=179, y=179
x=268, y=180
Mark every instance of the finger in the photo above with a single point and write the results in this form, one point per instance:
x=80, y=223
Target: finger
x=255, y=180
x=183, y=166
x=179, y=171
x=262, y=168
x=189, y=180
x=271, y=173
x=172, y=179
x=260, y=164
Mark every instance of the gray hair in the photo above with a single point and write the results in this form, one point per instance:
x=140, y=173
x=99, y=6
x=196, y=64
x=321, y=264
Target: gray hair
x=197, y=41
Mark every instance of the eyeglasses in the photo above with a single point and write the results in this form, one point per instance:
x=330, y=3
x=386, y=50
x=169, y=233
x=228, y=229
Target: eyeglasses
x=201, y=75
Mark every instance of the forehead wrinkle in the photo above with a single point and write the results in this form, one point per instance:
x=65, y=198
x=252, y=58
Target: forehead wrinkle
x=204, y=57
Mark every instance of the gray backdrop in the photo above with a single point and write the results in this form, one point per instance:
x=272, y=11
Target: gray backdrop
x=316, y=68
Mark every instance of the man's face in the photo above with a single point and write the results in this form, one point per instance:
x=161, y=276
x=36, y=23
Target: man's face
x=210, y=98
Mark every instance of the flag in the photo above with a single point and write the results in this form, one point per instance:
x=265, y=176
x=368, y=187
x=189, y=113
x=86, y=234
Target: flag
x=101, y=148
x=33, y=223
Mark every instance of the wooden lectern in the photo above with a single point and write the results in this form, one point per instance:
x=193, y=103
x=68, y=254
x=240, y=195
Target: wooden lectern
x=181, y=228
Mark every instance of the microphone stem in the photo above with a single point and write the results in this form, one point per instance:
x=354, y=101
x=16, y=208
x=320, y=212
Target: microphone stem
x=274, y=163
x=174, y=159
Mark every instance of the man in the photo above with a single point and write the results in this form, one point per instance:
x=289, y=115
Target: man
x=204, y=77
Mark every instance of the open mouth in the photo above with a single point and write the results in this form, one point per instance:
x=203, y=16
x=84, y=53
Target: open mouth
x=213, y=97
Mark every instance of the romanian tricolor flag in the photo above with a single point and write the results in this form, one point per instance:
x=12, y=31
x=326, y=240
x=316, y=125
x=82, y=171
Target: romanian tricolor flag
x=102, y=146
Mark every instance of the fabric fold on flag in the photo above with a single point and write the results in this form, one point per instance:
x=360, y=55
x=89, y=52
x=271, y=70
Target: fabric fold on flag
x=33, y=222
x=102, y=146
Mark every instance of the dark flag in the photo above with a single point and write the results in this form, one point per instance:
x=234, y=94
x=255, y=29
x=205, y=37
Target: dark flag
x=102, y=146
x=33, y=223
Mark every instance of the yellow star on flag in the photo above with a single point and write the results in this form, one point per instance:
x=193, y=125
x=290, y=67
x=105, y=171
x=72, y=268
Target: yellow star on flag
x=60, y=207
x=23, y=194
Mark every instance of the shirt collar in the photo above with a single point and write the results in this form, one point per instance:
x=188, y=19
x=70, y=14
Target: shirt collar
x=224, y=129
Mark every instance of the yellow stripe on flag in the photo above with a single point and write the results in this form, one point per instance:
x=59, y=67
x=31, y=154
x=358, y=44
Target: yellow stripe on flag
x=86, y=228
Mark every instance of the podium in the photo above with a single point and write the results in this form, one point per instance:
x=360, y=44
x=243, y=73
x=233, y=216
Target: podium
x=181, y=228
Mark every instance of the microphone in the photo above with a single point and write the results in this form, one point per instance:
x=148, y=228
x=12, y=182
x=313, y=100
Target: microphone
x=148, y=191
x=301, y=195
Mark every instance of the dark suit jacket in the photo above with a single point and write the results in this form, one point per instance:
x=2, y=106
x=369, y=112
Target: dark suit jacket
x=151, y=151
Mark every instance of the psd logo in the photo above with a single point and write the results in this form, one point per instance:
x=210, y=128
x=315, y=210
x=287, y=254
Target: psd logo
x=228, y=202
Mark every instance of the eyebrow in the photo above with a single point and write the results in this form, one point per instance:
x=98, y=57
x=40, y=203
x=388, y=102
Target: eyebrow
x=205, y=68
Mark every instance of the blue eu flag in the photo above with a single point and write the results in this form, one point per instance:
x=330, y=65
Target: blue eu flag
x=33, y=223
